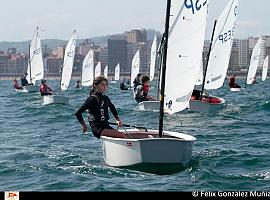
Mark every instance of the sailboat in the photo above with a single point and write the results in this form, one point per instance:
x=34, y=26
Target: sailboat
x=135, y=67
x=158, y=147
x=106, y=71
x=254, y=61
x=66, y=73
x=35, y=67
x=217, y=60
x=153, y=58
x=151, y=105
x=88, y=69
x=116, y=73
x=98, y=69
x=265, y=68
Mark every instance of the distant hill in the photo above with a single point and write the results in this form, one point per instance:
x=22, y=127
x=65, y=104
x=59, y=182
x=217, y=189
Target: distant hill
x=24, y=45
x=53, y=43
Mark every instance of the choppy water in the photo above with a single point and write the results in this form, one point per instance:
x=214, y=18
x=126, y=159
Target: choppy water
x=42, y=148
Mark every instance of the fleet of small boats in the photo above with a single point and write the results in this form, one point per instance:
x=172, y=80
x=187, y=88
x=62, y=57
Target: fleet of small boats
x=180, y=62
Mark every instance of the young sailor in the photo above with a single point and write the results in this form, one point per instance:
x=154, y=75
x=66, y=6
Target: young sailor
x=141, y=91
x=16, y=85
x=44, y=88
x=97, y=105
x=232, y=82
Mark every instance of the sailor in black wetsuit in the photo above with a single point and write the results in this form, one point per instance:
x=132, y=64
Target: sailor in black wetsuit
x=97, y=105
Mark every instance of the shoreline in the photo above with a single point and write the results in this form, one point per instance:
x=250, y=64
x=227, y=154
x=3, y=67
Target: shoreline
x=52, y=77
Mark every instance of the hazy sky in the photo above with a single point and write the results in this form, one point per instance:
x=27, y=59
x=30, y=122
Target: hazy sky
x=19, y=18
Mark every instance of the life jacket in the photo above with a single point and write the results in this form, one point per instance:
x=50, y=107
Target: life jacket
x=44, y=90
x=16, y=85
x=145, y=90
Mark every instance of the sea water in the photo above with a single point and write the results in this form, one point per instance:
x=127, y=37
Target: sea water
x=43, y=149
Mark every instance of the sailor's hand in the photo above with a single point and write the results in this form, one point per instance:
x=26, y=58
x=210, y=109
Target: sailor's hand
x=119, y=123
x=84, y=128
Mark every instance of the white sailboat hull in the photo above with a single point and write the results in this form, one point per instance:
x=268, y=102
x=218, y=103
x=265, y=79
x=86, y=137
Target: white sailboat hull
x=54, y=99
x=149, y=106
x=147, y=148
x=30, y=88
x=113, y=82
x=235, y=89
x=206, y=107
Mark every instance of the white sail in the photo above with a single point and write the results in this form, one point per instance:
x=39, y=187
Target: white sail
x=68, y=62
x=88, y=69
x=221, y=49
x=117, y=72
x=98, y=69
x=200, y=75
x=185, y=46
x=106, y=72
x=254, y=61
x=135, y=67
x=153, y=58
x=265, y=68
x=35, y=60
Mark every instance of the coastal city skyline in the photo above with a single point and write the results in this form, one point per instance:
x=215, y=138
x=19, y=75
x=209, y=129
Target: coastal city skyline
x=120, y=49
x=99, y=17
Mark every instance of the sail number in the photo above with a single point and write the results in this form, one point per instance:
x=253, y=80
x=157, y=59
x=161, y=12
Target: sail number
x=70, y=54
x=37, y=51
x=195, y=5
x=227, y=36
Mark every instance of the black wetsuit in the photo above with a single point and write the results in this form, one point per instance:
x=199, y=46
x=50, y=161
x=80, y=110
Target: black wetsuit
x=97, y=106
x=123, y=86
x=24, y=81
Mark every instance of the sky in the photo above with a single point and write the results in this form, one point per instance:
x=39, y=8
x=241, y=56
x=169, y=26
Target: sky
x=91, y=18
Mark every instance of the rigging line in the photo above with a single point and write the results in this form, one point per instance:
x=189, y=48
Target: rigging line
x=125, y=131
x=178, y=119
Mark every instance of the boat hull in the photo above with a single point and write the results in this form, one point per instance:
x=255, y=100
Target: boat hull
x=235, y=89
x=54, y=99
x=206, y=107
x=147, y=147
x=30, y=88
x=149, y=106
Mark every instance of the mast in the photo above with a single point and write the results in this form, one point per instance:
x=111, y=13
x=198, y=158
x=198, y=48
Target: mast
x=163, y=74
x=208, y=56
